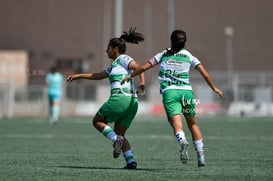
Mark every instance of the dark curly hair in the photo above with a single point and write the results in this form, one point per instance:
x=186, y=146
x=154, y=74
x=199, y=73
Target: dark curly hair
x=131, y=37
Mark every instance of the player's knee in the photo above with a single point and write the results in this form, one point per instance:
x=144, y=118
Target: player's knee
x=94, y=122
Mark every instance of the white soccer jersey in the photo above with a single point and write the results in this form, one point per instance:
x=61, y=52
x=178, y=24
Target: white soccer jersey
x=117, y=71
x=174, y=69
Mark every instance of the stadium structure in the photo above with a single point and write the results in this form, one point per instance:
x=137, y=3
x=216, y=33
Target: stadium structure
x=233, y=39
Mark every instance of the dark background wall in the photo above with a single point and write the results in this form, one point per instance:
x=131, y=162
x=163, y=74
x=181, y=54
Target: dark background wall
x=77, y=31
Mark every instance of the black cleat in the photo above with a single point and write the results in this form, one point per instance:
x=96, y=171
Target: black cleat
x=118, y=146
x=131, y=166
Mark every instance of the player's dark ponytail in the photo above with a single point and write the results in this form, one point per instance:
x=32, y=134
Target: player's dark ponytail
x=178, y=41
x=131, y=37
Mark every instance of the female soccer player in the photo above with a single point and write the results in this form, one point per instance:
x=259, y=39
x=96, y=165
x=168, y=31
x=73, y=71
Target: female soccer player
x=54, y=82
x=122, y=105
x=176, y=90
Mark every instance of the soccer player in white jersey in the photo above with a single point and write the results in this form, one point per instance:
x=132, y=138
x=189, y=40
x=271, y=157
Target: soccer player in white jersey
x=122, y=105
x=177, y=95
x=54, y=82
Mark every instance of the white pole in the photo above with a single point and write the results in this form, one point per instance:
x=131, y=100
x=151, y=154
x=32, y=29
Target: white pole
x=229, y=32
x=11, y=99
x=229, y=49
x=106, y=31
x=118, y=17
x=148, y=31
x=170, y=12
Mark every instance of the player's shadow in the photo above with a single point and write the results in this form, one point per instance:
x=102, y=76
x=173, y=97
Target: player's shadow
x=107, y=168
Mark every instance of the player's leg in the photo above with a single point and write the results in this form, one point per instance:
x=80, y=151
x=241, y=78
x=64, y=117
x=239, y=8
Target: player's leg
x=176, y=124
x=106, y=114
x=54, y=107
x=125, y=147
x=109, y=112
x=122, y=125
x=99, y=122
x=55, y=110
x=173, y=109
x=189, y=112
x=117, y=137
x=50, y=109
x=197, y=139
x=193, y=127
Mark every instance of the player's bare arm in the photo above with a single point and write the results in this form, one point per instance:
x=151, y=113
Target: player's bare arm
x=90, y=76
x=133, y=65
x=208, y=79
x=141, y=87
x=138, y=71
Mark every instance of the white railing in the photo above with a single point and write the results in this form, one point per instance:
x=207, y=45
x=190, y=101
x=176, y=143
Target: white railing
x=250, y=94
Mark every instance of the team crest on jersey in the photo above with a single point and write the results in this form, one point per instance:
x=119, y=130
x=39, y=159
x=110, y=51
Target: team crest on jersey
x=115, y=63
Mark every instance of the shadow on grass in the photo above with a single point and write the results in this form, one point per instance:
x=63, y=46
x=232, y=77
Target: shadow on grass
x=108, y=168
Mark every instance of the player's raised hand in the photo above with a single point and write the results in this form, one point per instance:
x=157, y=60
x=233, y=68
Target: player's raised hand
x=141, y=89
x=218, y=91
x=70, y=78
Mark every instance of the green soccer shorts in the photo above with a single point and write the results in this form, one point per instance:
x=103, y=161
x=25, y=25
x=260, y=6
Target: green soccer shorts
x=120, y=109
x=177, y=101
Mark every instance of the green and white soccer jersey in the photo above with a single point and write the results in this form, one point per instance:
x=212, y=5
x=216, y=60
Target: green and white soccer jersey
x=122, y=105
x=117, y=71
x=174, y=69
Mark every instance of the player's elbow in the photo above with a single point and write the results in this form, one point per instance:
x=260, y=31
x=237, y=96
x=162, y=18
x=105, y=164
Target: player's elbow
x=142, y=69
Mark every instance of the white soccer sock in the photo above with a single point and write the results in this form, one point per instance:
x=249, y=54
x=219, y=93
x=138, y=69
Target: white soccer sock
x=199, y=147
x=50, y=115
x=55, y=112
x=109, y=133
x=180, y=137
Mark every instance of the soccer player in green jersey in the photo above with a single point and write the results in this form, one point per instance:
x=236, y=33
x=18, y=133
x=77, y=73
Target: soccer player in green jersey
x=122, y=105
x=176, y=90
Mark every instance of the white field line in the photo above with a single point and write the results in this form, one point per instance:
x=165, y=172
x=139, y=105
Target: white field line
x=150, y=136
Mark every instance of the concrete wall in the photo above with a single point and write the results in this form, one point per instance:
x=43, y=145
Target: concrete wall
x=50, y=29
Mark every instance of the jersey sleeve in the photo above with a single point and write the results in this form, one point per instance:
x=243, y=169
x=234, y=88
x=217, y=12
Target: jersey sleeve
x=156, y=59
x=108, y=70
x=125, y=60
x=194, y=61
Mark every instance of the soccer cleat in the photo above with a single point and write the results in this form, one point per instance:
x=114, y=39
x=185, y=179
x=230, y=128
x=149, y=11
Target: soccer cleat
x=201, y=161
x=118, y=146
x=130, y=166
x=184, y=152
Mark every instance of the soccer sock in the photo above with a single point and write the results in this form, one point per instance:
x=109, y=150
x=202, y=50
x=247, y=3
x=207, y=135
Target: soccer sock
x=55, y=112
x=109, y=133
x=180, y=137
x=199, y=147
x=50, y=112
x=50, y=115
x=129, y=156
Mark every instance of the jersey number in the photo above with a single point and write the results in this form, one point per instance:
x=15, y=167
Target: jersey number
x=173, y=77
